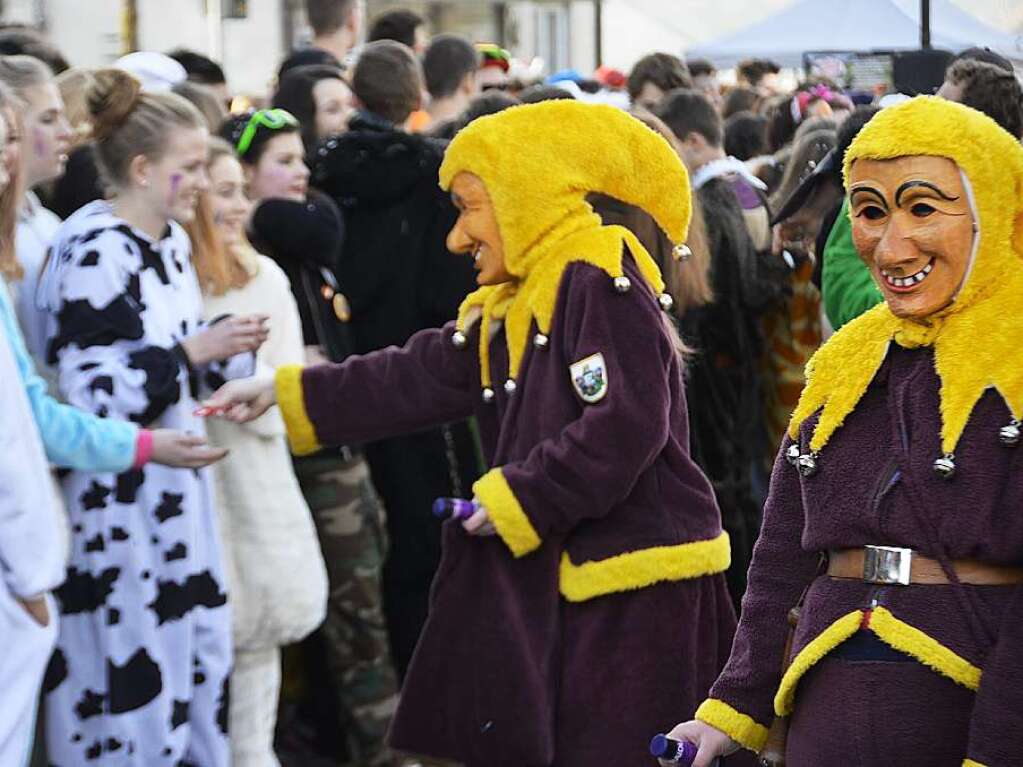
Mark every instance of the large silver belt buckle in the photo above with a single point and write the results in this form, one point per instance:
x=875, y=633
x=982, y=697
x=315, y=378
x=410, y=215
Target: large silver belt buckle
x=888, y=565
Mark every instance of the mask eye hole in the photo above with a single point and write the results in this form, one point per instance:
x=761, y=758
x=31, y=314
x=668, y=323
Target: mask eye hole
x=871, y=212
x=921, y=210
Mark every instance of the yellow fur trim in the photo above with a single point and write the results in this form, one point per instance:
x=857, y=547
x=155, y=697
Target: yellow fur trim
x=924, y=648
x=291, y=400
x=637, y=569
x=976, y=338
x=538, y=162
x=735, y=724
x=814, y=651
x=971, y=763
x=510, y=521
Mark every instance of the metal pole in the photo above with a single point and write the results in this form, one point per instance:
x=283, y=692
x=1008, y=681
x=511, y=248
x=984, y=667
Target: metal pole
x=598, y=32
x=215, y=29
x=925, y=24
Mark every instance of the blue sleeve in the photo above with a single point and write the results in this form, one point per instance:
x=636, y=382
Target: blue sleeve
x=72, y=438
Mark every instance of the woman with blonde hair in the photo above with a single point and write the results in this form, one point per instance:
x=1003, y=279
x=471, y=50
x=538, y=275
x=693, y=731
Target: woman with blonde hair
x=141, y=669
x=275, y=571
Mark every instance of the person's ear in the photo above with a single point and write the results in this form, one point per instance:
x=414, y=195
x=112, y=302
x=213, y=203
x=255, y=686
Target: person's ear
x=140, y=171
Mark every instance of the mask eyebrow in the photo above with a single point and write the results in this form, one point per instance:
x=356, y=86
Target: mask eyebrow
x=921, y=184
x=868, y=190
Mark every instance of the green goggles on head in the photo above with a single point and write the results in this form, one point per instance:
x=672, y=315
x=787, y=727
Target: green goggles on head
x=272, y=119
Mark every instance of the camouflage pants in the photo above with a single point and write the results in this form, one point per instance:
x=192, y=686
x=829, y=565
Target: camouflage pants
x=350, y=522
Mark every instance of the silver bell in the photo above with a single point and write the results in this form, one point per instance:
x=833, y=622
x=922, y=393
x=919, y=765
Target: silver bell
x=792, y=454
x=1009, y=435
x=509, y=387
x=459, y=339
x=945, y=467
x=488, y=395
x=666, y=301
x=622, y=284
x=540, y=341
x=807, y=464
x=681, y=252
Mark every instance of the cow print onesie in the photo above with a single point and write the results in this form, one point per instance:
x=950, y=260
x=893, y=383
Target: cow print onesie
x=140, y=674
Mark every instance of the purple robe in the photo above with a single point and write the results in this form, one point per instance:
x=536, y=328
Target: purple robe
x=509, y=671
x=876, y=485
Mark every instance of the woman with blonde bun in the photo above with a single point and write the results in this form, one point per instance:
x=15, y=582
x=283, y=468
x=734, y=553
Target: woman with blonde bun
x=140, y=674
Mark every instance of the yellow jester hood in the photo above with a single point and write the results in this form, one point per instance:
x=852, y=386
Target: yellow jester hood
x=976, y=338
x=538, y=163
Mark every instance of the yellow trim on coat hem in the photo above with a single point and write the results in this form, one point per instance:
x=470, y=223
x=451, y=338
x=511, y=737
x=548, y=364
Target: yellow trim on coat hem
x=971, y=763
x=291, y=400
x=496, y=496
x=637, y=569
x=924, y=648
x=741, y=728
x=817, y=648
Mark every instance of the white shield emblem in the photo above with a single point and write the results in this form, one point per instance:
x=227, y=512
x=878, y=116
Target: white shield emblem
x=589, y=377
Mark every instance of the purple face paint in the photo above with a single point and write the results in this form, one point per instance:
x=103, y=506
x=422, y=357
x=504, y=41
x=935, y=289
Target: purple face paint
x=218, y=218
x=39, y=142
x=454, y=508
x=174, y=187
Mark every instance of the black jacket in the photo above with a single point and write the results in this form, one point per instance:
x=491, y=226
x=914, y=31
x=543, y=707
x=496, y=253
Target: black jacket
x=304, y=238
x=394, y=267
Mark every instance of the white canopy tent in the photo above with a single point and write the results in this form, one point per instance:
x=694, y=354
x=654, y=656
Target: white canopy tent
x=854, y=25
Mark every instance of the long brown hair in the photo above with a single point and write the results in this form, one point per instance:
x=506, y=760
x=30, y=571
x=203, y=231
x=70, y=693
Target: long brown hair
x=12, y=196
x=220, y=268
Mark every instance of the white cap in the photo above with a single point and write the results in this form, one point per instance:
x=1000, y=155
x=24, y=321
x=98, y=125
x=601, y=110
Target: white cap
x=155, y=71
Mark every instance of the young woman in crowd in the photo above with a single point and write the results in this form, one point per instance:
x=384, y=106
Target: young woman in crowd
x=320, y=100
x=45, y=147
x=275, y=572
x=141, y=667
x=302, y=232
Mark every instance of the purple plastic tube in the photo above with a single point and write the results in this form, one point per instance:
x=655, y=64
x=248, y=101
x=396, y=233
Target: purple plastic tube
x=676, y=751
x=454, y=508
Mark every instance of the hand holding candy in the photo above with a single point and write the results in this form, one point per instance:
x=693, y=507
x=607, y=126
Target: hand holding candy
x=474, y=518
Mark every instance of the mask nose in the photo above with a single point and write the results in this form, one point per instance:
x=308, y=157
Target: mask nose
x=458, y=241
x=895, y=248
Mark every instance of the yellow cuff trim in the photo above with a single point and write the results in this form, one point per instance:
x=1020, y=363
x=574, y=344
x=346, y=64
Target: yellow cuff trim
x=495, y=495
x=821, y=645
x=636, y=569
x=735, y=724
x=971, y=763
x=291, y=400
x=924, y=648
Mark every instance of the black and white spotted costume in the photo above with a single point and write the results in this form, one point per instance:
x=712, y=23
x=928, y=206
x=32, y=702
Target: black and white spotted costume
x=140, y=674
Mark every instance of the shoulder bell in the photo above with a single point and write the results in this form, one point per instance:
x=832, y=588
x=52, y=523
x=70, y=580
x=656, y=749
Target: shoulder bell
x=540, y=341
x=807, y=464
x=622, y=284
x=488, y=395
x=459, y=339
x=666, y=301
x=792, y=454
x=945, y=467
x=1009, y=435
x=510, y=387
x=681, y=252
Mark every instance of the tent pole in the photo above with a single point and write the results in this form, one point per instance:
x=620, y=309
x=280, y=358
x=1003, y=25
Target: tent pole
x=925, y=24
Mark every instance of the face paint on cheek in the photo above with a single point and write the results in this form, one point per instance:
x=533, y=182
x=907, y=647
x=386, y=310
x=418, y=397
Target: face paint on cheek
x=39, y=143
x=218, y=218
x=175, y=186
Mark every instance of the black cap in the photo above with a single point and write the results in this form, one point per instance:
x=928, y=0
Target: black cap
x=826, y=167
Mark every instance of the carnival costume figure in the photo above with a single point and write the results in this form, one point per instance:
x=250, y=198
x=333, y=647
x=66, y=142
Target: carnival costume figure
x=894, y=513
x=599, y=606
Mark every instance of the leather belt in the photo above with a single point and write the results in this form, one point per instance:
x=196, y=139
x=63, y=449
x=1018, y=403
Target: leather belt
x=890, y=565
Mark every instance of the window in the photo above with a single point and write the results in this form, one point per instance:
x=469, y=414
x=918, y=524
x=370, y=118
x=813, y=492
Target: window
x=552, y=36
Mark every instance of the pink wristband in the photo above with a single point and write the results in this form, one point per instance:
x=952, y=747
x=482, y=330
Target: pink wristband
x=143, y=448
